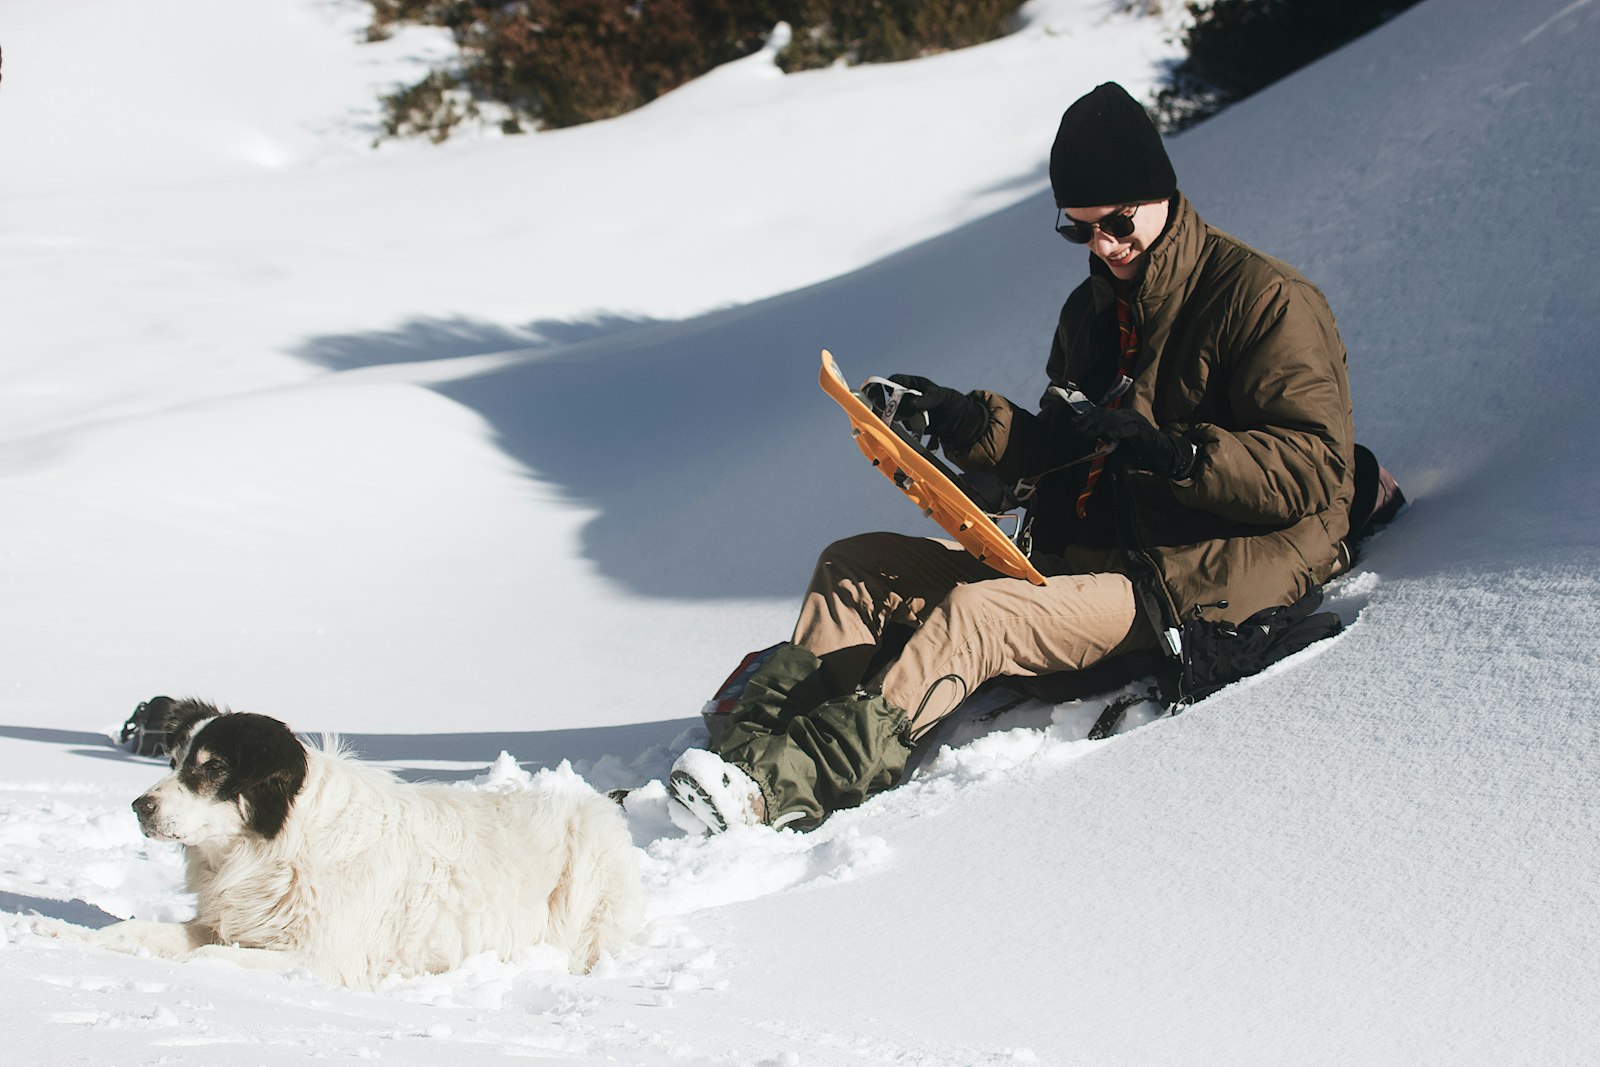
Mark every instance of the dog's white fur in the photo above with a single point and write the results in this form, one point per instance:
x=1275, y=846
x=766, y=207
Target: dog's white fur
x=371, y=876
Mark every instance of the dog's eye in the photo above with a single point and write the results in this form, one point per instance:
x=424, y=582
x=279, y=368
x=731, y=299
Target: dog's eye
x=172, y=762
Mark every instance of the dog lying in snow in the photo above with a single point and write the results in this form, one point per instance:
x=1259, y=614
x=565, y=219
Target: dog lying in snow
x=303, y=857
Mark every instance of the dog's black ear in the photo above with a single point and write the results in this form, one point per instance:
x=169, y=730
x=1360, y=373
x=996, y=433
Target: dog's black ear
x=270, y=763
x=181, y=718
x=266, y=803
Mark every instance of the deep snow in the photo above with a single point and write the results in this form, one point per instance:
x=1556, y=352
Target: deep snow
x=516, y=445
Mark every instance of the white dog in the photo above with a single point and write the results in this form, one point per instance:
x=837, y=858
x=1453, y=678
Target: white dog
x=302, y=857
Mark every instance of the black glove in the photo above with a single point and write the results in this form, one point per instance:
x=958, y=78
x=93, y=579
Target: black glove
x=956, y=419
x=1064, y=445
x=1139, y=444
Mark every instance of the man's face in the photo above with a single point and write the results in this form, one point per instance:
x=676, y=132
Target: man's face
x=1124, y=255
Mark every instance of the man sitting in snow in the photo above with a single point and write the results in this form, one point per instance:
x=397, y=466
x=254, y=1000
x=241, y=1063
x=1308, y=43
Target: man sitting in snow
x=1220, y=379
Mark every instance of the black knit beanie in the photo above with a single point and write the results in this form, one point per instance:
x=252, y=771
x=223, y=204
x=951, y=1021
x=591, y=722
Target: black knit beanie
x=1108, y=152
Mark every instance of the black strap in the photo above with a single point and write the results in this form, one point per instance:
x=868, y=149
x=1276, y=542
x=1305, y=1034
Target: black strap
x=1111, y=718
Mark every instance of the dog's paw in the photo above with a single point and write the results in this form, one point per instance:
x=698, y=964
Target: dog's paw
x=44, y=926
x=139, y=936
x=133, y=936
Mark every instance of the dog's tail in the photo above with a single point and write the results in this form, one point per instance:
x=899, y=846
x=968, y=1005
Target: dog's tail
x=334, y=745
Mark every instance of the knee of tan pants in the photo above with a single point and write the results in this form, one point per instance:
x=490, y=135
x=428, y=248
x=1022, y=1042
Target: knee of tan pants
x=843, y=613
x=1008, y=627
x=863, y=551
x=863, y=583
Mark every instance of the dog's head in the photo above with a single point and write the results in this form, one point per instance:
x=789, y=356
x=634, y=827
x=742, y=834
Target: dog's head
x=233, y=774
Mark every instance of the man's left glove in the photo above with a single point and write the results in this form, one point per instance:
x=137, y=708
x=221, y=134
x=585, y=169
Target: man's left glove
x=957, y=419
x=1139, y=444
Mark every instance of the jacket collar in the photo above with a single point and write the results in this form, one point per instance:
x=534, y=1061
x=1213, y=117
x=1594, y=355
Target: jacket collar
x=1169, y=267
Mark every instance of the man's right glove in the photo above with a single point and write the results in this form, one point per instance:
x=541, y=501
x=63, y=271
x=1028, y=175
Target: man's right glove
x=1139, y=443
x=956, y=419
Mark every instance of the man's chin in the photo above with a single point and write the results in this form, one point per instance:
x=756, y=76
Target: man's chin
x=1126, y=269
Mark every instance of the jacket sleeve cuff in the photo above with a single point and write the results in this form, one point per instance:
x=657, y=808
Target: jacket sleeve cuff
x=1188, y=460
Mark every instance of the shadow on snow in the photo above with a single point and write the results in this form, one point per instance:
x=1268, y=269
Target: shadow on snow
x=716, y=465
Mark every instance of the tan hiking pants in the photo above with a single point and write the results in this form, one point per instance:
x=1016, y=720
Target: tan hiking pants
x=970, y=624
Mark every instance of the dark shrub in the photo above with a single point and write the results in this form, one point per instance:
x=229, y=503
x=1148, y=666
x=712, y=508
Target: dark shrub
x=564, y=62
x=885, y=31
x=430, y=108
x=1239, y=46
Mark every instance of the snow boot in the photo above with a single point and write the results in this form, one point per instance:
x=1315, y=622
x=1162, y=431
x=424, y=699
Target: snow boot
x=716, y=792
x=832, y=757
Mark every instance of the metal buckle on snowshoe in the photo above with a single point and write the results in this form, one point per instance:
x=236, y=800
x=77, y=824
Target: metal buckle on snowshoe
x=1080, y=403
x=1074, y=398
x=892, y=393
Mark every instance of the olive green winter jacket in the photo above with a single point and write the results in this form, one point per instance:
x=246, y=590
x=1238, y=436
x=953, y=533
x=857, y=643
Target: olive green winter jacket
x=1238, y=353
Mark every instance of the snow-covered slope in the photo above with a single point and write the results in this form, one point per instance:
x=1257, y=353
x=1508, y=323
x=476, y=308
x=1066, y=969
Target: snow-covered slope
x=279, y=439
x=168, y=387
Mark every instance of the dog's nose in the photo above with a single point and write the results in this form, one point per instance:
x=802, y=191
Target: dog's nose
x=145, y=807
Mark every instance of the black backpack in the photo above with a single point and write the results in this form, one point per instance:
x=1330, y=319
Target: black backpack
x=1211, y=655
x=145, y=732
x=1217, y=653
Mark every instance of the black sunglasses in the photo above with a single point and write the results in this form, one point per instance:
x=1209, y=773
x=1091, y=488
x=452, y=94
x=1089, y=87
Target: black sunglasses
x=1117, y=225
